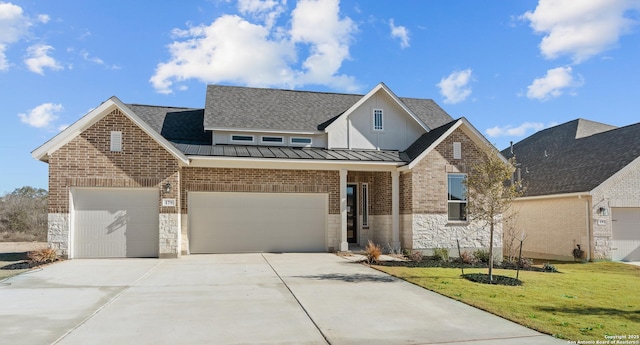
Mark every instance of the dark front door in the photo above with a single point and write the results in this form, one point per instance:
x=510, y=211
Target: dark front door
x=352, y=214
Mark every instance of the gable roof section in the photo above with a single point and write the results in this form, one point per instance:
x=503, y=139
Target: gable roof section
x=576, y=156
x=42, y=153
x=232, y=107
x=430, y=140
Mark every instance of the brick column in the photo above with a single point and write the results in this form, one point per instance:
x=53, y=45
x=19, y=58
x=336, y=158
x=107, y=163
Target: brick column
x=395, y=209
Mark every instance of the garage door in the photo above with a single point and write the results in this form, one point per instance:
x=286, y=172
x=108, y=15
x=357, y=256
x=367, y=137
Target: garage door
x=111, y=223
x=625, y=242
x=257, y=222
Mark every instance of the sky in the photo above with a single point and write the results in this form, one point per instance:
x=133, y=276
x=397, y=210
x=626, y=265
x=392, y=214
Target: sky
x=510, y=67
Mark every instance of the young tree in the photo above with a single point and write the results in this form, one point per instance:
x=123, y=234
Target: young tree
x=490, y=193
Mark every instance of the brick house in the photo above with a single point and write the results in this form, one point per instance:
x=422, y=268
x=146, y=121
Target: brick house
x=262, y=170
x=583, y=188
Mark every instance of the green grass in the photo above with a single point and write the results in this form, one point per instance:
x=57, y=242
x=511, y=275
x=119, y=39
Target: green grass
x=8, y=259
x=583, y=302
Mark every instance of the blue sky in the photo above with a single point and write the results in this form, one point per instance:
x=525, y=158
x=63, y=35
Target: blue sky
x=510, y=67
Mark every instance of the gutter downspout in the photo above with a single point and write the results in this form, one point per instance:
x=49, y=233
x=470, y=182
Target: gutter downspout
x=589, y=227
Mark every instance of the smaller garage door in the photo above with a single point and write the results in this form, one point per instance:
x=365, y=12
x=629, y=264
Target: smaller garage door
x=625, y=242
x=115, y=222
x=257, y=222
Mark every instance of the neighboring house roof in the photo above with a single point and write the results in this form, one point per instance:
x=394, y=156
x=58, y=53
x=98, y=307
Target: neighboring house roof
x=233, y=107
x=576, y=156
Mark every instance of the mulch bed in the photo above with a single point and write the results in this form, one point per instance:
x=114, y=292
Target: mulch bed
x=430, y=262
x=497, y=279
x=22, y=265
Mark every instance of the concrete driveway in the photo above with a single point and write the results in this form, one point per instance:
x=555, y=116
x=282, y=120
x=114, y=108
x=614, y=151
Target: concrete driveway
x=238, y=299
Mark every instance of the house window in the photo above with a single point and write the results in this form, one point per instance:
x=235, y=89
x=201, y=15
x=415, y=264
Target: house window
x=457, y=150
x=301, y=141
x=378, y=123
x=457, y=197
x=242, y=138
x=272, y=140
x=116, y=141
x=365, y=204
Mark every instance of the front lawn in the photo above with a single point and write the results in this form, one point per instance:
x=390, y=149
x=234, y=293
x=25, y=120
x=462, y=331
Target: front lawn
x=583, y=302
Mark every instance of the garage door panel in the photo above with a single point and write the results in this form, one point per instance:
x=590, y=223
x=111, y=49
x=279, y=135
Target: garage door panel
x=625, y=241
x=115, y=223
x=257, y=222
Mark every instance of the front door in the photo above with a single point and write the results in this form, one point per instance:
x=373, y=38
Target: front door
x=352, y=214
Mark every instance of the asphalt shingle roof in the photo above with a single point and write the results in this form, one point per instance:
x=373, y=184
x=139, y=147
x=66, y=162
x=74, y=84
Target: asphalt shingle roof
x=252, y=108
x=183, y=125
x=275, y=109
x=576, y=156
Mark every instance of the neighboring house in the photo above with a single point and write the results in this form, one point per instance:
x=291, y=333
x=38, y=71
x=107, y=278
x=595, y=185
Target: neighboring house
x=262, y=170
x=583, y=188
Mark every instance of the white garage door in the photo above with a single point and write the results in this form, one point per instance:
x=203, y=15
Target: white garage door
x=112, y=222
x=625, y=243
x=257, y=222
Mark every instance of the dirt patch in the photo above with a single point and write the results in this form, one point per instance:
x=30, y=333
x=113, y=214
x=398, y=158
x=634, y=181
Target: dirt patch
x=21, y=247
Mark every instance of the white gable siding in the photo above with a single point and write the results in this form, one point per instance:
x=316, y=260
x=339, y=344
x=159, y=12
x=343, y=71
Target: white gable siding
x=399, y=131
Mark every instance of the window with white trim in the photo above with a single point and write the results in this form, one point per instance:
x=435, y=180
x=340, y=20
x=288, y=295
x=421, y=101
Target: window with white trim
x=365, y=204
x=300, y=140
x=378, y=120
x=116, y=141
x=456, y=197
x=271, y=140
x=242, y=138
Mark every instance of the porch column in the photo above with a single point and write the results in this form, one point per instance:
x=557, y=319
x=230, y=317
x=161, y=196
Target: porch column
x=344, y=246
x=395, y=209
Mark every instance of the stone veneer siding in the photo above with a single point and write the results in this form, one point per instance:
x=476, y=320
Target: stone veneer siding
x=423, y=201
x=87, y=161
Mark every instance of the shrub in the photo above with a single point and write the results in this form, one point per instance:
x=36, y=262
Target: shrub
x=373, y=252
x=525, y=263
x=441, y=254
x=42, y=256
x=468, y=258
x=549, y=268
x=481, y=255
x=416, y=256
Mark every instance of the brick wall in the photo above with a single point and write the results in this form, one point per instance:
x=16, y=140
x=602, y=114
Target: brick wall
x=379, y=190
x=552, y=226
x=262, y=181
x=86, y=161
x=429, y=176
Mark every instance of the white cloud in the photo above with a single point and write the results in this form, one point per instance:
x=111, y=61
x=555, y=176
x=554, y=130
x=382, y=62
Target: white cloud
x=400, y=32
x=580, y=29
x=38, y=59
x=455, y=88
x=13, y=26
x=96, y=60
x=42, y=115
x=44, y=18
x=233, y=49
x=510, y=131
x=267, y=11
x=553, y=84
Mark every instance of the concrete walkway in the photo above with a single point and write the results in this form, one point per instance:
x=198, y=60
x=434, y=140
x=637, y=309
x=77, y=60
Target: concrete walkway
x=238, y=299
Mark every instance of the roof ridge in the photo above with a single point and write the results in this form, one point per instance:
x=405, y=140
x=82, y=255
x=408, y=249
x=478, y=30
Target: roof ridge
x=161, y=106
x=286, y=90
